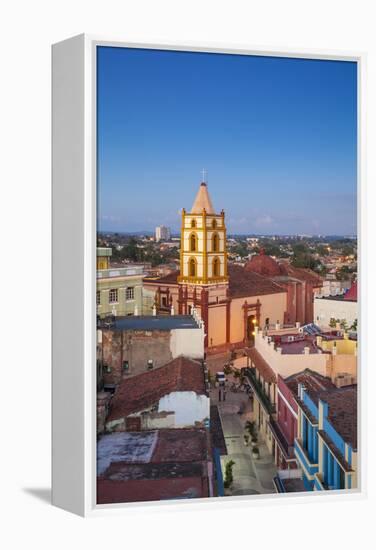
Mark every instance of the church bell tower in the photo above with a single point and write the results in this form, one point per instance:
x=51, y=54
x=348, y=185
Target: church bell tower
x=203, y=254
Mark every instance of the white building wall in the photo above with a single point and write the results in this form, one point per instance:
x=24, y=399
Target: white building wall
x=158, y=422
x=324, y=310
x=287, y=364
x=188, y=406
x=188, y=342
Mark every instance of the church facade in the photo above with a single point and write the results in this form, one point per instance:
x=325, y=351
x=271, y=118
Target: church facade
x=230, y=299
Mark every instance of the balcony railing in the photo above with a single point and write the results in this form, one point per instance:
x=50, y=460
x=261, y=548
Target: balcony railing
x=302, y=456
x=288, y=450
x=256, y=385
x=319, y=482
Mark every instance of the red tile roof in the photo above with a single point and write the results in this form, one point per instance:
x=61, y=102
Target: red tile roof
x=342, y=413
x=311, y=380
x=352, y=294
x=177, y=467
x=170, y=279
x=243, y=283
x=145, y=490
x=269, y=267
x=301, y=273
x=263, y=265
x=261, y=365
x=180, y=445
x=144, y=390
x=342, y=402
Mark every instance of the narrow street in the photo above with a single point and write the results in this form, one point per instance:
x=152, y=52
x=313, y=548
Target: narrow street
x=251, y=476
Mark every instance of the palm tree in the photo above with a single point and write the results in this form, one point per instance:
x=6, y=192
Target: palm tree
x=250, y=427
x=238, y=375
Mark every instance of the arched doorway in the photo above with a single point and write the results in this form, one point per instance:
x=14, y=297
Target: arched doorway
x=251, y=322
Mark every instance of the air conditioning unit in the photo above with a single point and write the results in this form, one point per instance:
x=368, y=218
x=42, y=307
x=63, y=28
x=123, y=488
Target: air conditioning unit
x=343, y=379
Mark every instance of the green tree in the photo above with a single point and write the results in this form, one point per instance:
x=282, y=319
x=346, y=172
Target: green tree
x=306, y=261
x=250, y=427
x=229, y=478
x=343, y=324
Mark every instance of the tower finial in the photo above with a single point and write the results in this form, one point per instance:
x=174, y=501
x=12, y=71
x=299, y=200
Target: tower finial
x=204, y=174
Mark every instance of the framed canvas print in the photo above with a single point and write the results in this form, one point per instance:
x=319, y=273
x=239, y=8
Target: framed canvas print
x=207, y=275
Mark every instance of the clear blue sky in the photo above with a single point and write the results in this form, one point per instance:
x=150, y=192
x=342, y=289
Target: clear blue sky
x=276, y=135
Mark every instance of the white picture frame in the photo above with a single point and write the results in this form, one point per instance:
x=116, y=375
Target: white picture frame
x=74, y=272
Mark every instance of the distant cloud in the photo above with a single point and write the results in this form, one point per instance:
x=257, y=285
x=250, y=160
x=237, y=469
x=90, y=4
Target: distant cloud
x=263, y=221
x=106, y=218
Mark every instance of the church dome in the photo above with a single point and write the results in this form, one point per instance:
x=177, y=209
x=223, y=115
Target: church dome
x=263, y=265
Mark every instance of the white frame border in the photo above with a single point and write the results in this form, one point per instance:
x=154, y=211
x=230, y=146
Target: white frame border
x=86, y=503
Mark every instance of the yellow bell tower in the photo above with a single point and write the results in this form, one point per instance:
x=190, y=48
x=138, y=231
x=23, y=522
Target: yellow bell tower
x=203, y=254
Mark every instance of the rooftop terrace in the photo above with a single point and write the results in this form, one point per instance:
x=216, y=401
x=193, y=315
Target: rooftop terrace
x=129, y=271
x=155, y=322
x=156, y=465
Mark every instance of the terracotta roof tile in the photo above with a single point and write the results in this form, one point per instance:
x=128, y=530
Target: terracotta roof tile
x=312, y=381
x=176, y=469
x=243, y=283
x=171, y=278
x=342, y=402
x=337, y=453
x=263, y=265
x=342, y=414
x=144, y=390
x=302, y=274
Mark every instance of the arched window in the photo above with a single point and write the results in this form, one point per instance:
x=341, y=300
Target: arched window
x=192, y=267
x=216, y=267
x=193, y=223
x=193, y=242
x=215, y=242
x=214, y=224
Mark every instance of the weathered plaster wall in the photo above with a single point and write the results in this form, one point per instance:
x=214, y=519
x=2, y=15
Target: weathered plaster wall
x=325, y=309
x=189, y=408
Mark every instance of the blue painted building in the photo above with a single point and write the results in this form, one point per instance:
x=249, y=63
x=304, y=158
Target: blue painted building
x=326, y=442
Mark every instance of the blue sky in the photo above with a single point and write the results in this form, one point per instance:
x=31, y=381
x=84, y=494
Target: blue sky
x=277, y=137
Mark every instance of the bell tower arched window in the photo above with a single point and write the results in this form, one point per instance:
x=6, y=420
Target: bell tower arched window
x=215, y=242
x=192, y=268
x=214, y=224
x=193, y=242
x=193, y=223
x=216, y=267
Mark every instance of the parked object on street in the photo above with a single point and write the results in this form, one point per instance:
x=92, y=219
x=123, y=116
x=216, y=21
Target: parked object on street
x=220, y=378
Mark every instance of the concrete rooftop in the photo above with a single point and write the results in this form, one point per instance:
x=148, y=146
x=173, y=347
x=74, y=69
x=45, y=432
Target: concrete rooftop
x=155, y=322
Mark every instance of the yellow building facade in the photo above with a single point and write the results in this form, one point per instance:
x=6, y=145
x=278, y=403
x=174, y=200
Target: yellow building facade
x=229, y=299
x=203, y=256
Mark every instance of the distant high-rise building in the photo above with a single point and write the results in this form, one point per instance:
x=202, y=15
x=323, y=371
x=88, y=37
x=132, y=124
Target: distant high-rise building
x=162, y=233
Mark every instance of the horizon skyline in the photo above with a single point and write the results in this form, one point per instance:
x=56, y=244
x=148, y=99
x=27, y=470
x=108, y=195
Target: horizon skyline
x=267, y=124
x=147, y=232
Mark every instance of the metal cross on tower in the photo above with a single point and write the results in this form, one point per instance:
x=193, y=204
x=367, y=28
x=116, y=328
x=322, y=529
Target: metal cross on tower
x=204, y=174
